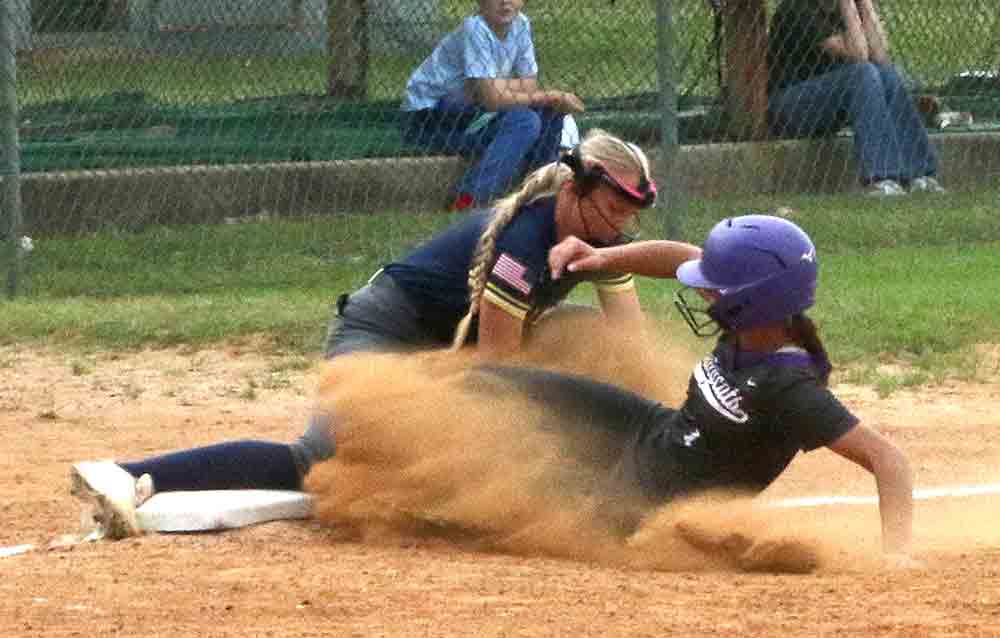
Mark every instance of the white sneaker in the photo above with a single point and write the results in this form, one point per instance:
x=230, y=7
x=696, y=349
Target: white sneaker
x=926, y=184
x=885, y=188
x=113, y=495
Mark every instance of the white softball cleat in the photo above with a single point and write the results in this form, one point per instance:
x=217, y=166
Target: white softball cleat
x=112, y=495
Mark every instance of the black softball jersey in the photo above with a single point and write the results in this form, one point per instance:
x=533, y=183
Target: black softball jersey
x=745, y=417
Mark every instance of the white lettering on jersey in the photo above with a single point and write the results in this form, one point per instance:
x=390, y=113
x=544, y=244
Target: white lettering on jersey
x=691, y=437
x=717, y=392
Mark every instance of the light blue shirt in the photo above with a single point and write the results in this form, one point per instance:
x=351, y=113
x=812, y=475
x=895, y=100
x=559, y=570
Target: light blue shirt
x=471, y=51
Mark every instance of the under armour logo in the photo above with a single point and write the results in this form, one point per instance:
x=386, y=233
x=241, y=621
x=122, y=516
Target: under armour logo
x=751, y=383
x=691, y=437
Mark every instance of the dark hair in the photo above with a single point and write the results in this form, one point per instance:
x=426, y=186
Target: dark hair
x=803, y=331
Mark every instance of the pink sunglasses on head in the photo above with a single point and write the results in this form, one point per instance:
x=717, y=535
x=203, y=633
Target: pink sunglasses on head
x=644, y=194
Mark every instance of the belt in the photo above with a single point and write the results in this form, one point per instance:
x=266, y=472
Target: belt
x=379, y=278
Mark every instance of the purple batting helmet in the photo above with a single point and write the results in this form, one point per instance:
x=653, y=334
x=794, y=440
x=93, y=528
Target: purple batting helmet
x=764, y=269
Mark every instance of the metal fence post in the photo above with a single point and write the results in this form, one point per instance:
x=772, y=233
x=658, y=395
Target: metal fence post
x=9, y=150
x=672, y=201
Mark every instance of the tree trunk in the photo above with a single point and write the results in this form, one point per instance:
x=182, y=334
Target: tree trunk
x=348, y=44
x=745, y=72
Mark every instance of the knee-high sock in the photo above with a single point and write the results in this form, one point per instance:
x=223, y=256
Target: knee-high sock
x=226, y=466
x=316, y=443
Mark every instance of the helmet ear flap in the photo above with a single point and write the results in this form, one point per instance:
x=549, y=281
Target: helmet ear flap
x=585, y=178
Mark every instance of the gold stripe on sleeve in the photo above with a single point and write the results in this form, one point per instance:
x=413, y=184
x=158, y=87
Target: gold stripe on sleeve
x=505, y=302
x=618, y=284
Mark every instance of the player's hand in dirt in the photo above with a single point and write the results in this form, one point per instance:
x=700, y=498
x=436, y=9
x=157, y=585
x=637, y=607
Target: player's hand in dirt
x=711, y=539
x=780, y=556
x=573, y=254
x=770, y=555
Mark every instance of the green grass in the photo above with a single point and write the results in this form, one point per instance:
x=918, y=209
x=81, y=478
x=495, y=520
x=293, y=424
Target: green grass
x=910, y=281
x=312, y=254
x=922, y=306
x=907, y=281
x=842, y=223
x=596, y=48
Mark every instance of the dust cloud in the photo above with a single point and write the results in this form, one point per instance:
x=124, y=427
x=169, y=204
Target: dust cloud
x=429, y=447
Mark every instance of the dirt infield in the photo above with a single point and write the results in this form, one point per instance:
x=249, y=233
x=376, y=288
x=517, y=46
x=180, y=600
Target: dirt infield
x=304, y=579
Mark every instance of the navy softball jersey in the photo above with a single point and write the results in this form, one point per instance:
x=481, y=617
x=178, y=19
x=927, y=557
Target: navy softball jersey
x=745, y=417
x=435, y=275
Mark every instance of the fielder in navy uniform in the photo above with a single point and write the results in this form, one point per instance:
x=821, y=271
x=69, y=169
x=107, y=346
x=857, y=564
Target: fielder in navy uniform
x=485, y=280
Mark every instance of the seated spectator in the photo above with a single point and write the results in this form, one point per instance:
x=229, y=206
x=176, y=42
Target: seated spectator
x=477, y=95
x=829, y=67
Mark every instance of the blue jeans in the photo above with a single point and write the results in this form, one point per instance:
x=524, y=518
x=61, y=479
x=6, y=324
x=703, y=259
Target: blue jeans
x=515, y=141
x=890, y=141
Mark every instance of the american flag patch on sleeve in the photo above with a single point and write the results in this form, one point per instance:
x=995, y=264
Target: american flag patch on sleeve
x=513, y=273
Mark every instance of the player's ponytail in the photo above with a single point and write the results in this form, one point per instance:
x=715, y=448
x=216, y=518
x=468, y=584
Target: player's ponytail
x=543, y=182
x=803, y=331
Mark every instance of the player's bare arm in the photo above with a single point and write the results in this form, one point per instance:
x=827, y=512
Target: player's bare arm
x=651, y=258
x=893, y=478
x=500, y=333
x=621, y=307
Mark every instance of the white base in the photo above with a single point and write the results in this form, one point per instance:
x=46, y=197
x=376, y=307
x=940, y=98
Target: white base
x=15, y=550
x=227, y=509
x=220, y=509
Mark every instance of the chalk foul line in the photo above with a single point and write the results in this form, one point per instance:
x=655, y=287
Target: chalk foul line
x=960, y=491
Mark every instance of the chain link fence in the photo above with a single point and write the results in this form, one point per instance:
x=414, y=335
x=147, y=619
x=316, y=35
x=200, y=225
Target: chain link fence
x=136, y=113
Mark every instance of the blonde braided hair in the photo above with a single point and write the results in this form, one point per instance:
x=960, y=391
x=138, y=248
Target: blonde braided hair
x=598, y=147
